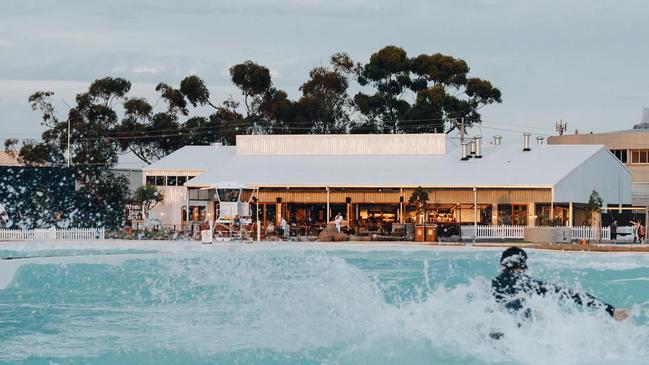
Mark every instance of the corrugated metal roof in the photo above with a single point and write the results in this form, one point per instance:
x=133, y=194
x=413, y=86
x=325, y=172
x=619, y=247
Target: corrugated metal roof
x=193, y=158
x=8, y=160
x=501, y=166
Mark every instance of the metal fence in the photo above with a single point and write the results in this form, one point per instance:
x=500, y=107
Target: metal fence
x=52, y=234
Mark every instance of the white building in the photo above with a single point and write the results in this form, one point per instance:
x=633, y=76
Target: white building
x=309, y=178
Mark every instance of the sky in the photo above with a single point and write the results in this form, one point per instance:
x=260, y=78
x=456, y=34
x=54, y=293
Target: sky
x=580, y=61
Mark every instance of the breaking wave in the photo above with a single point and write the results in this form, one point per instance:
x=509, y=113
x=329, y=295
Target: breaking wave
x=293, y=307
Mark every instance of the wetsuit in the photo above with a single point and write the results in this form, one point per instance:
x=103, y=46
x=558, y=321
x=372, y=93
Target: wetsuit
x=510, y=289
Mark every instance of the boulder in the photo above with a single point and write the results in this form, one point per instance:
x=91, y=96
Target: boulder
x=339, y=237
x=326, y=236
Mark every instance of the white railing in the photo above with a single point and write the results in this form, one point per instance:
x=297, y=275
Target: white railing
x=52, y=234
x=497, y=232
x=589, y=233
x=517, y=232
x=624, y=233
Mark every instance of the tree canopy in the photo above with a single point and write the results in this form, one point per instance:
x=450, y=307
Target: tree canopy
x=392, y=92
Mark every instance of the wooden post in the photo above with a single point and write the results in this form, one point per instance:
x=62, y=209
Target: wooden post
x=475, y=213
x=401, y=199
x=531, y=214
x=328, y=209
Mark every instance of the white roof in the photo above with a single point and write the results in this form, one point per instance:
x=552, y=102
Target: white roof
x=8, y=160
x=193, y=158
x=502, y=166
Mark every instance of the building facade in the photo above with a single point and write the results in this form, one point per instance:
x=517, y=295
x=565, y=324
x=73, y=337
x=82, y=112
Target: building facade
x=631, y=147
x=369, y=179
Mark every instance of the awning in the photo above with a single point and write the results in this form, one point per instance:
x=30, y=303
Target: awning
x=227, y=185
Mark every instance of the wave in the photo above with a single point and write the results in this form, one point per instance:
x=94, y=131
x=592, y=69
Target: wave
x=282, y=306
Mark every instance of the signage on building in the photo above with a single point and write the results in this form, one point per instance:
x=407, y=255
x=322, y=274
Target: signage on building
x=133, y=212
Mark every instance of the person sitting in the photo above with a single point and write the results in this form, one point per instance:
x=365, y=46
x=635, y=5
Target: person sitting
x=270, y=229
x=512, y=286
x=338, y=221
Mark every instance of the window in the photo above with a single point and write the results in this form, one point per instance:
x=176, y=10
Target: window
x=199, y=194
x=514, y=214
x=181, y=180
x=640, y=190
x=639, y=156
x=228, y=195
x=197, y=213
x=161, y=180
x=621, y=155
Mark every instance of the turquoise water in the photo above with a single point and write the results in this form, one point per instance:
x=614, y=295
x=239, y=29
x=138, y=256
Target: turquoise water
x=306, y=305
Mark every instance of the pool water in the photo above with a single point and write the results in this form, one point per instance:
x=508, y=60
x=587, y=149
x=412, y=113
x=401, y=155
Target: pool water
x=267, y=304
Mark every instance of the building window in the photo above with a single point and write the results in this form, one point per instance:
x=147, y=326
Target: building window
x=181, y=180
x=160, y=181
x=621, y=155
x=172, y=180
x=512, y=214
x=639, y=156
x=640, y=190
x=150, y=180
x=199, y=194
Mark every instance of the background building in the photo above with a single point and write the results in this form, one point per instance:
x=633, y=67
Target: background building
x=631, y=147
x=7, y=159
x=370, y=178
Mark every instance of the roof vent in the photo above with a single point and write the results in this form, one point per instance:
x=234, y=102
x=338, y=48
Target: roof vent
x=498, y=140
x=526, y=142
x=465, y=151
x=539, y=140
x=477, y=142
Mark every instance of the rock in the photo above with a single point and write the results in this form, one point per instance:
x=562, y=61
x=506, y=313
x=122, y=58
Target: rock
x=326, y=236
x=339, y=237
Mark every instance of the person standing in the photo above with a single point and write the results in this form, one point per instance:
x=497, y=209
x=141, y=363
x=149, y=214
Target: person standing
x=613, y=228
x=641, y=232
x=338, y=221
x=285, y=228
x=635, y=231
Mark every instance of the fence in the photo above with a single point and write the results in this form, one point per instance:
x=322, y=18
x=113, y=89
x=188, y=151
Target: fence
x=497, y=232
x=517, y=232
x=52, y=234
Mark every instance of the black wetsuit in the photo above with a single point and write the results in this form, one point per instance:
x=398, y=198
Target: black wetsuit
x=510, y=289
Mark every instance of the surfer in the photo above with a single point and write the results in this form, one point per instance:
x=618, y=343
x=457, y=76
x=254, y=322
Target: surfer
x=512, y=286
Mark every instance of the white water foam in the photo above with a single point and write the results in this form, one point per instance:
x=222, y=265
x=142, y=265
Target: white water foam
x=297, y=301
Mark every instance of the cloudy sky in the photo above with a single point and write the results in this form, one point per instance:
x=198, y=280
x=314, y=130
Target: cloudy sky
x=583, y=61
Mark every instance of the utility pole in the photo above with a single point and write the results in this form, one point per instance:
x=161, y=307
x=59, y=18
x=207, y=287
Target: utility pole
x=461, y=128
x=68, y=142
